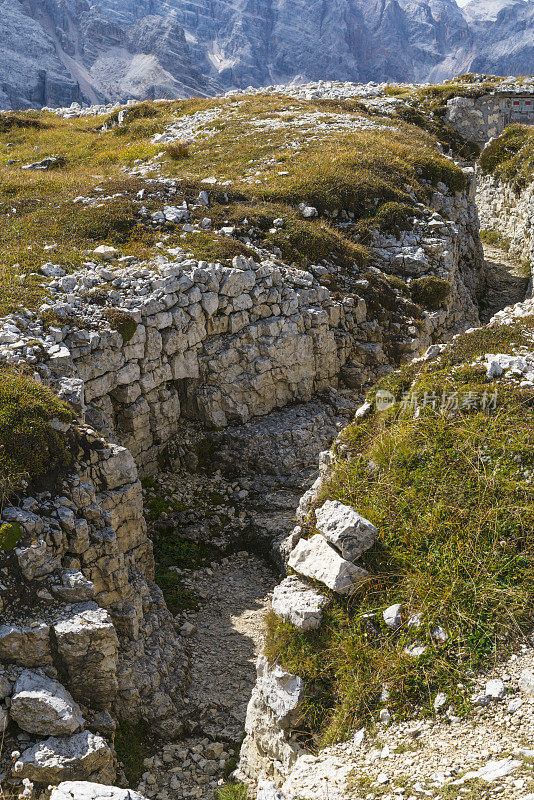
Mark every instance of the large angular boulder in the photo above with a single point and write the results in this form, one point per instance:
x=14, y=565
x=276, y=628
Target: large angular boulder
x=42, y=705
x=314, y=558
x=85, y=790
x=296, y=602
x=66, y=758
x=345, y=529
x=28, y=646
x=88, y=646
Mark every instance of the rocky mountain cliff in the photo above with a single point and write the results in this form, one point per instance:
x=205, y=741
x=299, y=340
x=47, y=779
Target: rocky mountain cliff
x=55, y=52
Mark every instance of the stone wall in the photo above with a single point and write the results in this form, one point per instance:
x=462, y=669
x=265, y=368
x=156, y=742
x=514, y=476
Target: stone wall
x=483, y=118
x=221, y=345
x=509, y=212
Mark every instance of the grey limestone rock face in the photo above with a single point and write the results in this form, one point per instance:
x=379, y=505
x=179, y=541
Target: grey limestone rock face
x=60, y=52
x=42, y=705
x=281, y=691
x=87, y=644
x=28, y=645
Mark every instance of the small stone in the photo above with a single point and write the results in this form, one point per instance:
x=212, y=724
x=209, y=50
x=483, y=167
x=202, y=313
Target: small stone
x=526, y=682
x=440, y=701
x=393, y=616
x=495, y=689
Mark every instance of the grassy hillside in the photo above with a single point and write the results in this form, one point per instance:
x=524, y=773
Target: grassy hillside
x=450, y=489
x=266, y=154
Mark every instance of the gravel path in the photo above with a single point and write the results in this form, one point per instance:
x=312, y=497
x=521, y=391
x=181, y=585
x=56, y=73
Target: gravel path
x=224, y=636
x=507, y=283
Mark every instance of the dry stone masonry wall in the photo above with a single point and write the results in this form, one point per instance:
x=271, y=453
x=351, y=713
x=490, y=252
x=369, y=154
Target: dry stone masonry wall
x=509, y=212
x=479, y=119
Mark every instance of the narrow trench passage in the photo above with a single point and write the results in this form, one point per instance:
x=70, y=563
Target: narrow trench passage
x=507, y=282
x=224, y=634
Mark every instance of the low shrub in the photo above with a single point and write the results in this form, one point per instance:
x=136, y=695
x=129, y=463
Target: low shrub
x=30, y=448
x=177, y=151
x=233, y=791
x=496, y=238
x=10, y=535
x=430, y=291
x=122, y=322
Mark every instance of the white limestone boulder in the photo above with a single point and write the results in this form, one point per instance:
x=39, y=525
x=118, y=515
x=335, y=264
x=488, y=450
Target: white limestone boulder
x=105, y=252
x=57, y=759
x=280, y=690
x=42, y=705
x=85, y=790
x=314, y=558
x=296, y=602
x=345, y=529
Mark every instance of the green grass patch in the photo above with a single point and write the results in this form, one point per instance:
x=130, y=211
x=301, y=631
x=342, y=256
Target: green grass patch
x=156, y=506
x=10, y=535
x=177, y=596
x=452, y=495
x=510, y=156
x=495, y=238
x=134, y=743
x=30, y=449
x=211, y=246
x=233, y=791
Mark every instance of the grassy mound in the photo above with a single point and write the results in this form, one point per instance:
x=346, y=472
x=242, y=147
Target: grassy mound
x=451, y=493
x=30, y=449
x=510, y=157
x=267, y=153
x=365, y=171
x=430, y=291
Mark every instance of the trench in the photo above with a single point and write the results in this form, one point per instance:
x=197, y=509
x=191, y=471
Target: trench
x=257, y=493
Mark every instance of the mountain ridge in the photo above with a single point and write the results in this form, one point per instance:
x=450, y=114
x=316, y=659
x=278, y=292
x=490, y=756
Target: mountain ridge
x=55, y=52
